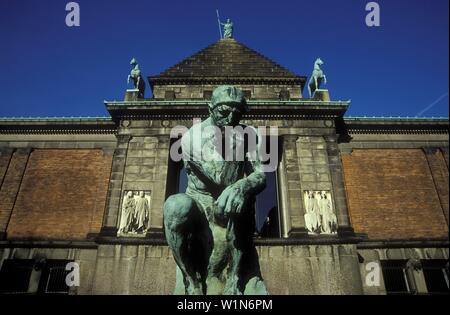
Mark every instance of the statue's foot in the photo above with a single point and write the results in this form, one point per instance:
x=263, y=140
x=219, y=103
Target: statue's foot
x=214, y=286
x=194, y=287
x=255, y=286
x=231, y=286
x=194, y=290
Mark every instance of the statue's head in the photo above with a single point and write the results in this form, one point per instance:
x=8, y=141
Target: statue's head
x=133, y=62
x=319, y=61
x=227, y=105
x=228, y=21
x=142, y=194
x=129, y=194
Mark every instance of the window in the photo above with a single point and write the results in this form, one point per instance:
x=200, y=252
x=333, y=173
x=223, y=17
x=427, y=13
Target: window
x=15, y=276
x=267, y=221
x=53, y=277
x=28, y=276
x=436, y=276
x=395, y=277
x=267, y=210
x=176, y=174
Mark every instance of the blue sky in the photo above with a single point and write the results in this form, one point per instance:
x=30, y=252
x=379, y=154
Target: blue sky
x=49, y=69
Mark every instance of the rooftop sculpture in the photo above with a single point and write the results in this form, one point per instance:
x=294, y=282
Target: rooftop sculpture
x=317, y=77
x=136, y=77
x=227, y=27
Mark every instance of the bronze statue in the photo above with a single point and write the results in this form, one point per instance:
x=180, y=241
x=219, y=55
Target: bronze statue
x=136, y=76
x=210, y=227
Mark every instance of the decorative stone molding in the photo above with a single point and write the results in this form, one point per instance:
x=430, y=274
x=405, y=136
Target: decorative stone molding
x=57, y=126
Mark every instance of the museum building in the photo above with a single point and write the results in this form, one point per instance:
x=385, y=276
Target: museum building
x=355, y=205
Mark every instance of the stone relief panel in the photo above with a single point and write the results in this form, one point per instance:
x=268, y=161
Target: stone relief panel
x=320, y=216
x=134, y=213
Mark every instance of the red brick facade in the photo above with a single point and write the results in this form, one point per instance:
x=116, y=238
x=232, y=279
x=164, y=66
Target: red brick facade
x=62, y=194
x=14, y=167
x=5, y=157
x=392, y=193
x=439, y=171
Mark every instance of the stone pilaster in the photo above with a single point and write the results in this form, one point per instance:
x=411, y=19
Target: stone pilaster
x=337, y=179
x=416, y=279
x=285, y=218
x=146, y=170
x=159, y=188
x=313, y=165
x=291, y=198
x=109, y=227
x=140, y=169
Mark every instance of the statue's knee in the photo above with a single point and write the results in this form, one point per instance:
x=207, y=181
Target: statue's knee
x=178, y=208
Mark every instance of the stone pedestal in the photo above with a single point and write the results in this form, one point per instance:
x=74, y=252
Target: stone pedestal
x=321, y=95
x=298, y=232
x=131, y=95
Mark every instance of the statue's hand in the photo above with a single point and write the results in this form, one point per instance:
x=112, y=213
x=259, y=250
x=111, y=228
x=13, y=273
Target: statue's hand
x=231, y=200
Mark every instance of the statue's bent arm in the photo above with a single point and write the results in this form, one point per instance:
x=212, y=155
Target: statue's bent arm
x=255, y=182
x=201, y=173
x=233, y=198
x=193, y=165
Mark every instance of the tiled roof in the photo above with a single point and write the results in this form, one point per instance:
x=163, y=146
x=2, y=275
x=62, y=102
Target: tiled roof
x=228, y=58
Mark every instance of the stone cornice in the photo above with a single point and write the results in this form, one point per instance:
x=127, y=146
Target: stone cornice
x=83, y=244
x=384, y=125
x=259, y=109
x=167, y=110
x=404, y=243
x=272, y=103
x=188, y=80
x=327, y=240
x=57, y=126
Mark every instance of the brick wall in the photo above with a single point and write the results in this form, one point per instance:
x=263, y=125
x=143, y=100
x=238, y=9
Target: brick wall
x=13, y=173
x=62, y=195
x=439, y=171
x=5, y=157
x=392, y=195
